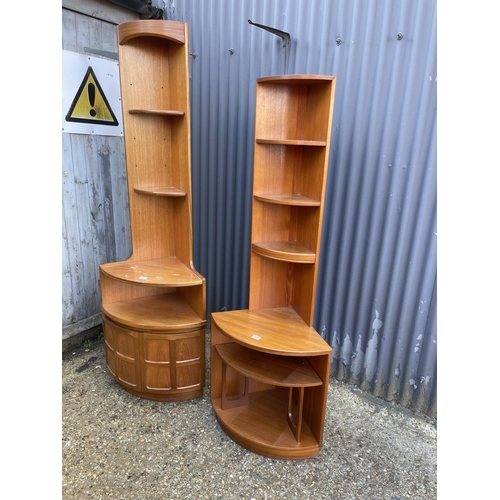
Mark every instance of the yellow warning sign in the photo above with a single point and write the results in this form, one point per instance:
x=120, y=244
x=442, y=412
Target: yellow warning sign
x=90, y=104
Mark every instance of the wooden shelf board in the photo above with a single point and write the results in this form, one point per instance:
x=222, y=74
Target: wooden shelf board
x=277, y=330
x=161, y=191
x=167, y=272
x=159, y=112
x=289, y=251
x=261, y=427
x=271, y=369
x=305, y=79
x=288, y=199
x=291, y=142
x=174, y=31
x=166, y=312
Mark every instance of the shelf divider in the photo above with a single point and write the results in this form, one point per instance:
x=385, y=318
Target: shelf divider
x=161, y=191
x=296, y=200
x=289, y=251
x=159, y=112
x=269, y=368
x=291, y=142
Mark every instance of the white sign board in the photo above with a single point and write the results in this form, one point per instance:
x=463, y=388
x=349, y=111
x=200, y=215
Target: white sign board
x=91, y=99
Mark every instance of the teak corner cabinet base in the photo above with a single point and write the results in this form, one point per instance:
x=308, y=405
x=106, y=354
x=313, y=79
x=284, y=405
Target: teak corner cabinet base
x=269, y=381
x=269, y=368
x=153, y=304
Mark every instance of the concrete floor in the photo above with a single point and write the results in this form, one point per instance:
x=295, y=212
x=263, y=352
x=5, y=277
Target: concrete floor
x=118, y=446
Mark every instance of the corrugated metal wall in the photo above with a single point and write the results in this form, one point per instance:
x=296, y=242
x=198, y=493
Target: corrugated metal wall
x=376, y=301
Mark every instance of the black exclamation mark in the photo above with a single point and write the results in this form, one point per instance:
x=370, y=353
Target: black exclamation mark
x=91, y=90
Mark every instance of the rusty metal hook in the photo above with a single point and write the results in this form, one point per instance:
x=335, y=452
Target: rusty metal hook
x=282, y=34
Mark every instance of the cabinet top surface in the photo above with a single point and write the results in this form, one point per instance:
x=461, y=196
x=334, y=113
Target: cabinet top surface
x=278, y=330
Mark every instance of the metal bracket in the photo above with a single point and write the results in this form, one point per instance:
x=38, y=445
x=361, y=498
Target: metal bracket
x=282, y=34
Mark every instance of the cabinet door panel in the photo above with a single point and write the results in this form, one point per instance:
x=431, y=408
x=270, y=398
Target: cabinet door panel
x=158, y=377
x=188, y=376
x=156, y=349
x=187, y=349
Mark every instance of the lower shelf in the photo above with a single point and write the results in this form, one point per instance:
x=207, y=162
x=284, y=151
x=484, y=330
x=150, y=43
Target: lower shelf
x=157, y=366
x=262, y=427
x=166, y=312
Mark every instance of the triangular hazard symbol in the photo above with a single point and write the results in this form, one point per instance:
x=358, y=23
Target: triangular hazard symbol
x=90, y=104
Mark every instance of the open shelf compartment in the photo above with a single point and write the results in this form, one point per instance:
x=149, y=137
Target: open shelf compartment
x=264, y=378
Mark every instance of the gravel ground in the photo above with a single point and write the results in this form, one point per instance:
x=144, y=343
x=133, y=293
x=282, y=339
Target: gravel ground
x=118, y=446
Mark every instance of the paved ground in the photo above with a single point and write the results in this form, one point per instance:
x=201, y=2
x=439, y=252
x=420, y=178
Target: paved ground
x=117, y=446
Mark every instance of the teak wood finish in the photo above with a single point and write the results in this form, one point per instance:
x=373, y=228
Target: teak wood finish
x=269, y=367
x=153, y=304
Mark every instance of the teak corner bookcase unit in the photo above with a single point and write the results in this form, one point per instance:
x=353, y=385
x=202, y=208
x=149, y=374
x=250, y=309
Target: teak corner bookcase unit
x=153, y=304
x=269, y=366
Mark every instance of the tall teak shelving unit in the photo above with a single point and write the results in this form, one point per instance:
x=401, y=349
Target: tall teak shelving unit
x=269, y=366
x=153, y=304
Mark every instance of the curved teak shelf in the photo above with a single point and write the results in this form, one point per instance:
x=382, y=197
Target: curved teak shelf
x=295, y=200
x=289, y=251
x=161, y=191
x=158, y=313
x=269, y=368
x=261, y=426
x=168, y=272
x=269, y=331
x=171, y=30
x=156, y=112
x=291, y=142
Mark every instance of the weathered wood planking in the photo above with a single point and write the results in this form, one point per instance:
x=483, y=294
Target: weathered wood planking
x=95, y=215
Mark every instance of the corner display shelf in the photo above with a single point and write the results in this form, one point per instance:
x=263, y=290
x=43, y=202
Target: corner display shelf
x=269, y=367
x=153, y=304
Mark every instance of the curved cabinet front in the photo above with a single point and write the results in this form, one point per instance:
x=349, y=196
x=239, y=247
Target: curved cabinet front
x=154, y=365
